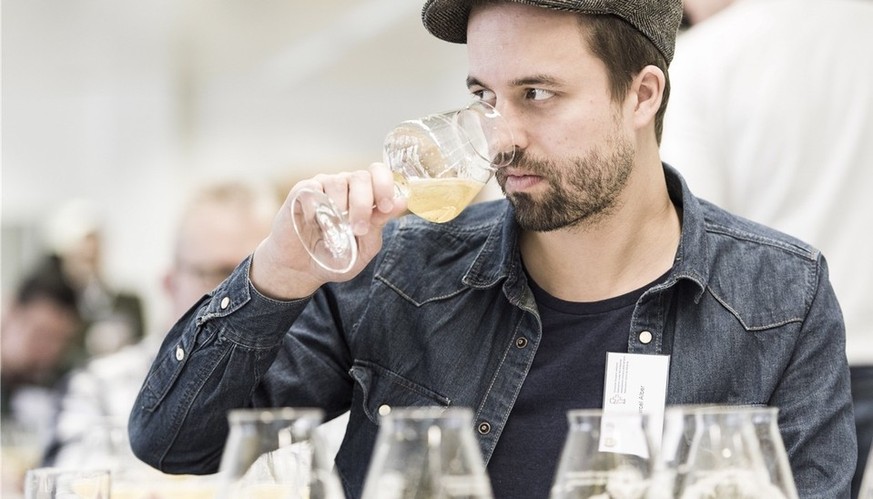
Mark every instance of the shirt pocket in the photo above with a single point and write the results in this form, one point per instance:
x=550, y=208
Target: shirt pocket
x=375, y=387
x=378, y=387
x=168, y=365
x=161, y=377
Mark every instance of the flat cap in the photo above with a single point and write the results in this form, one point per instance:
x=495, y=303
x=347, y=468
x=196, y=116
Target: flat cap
x=658, y=20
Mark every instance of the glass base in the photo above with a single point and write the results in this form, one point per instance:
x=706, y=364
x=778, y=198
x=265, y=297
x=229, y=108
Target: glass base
x=324, y=231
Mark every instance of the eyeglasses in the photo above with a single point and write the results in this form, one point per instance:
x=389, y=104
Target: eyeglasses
x=206, y=274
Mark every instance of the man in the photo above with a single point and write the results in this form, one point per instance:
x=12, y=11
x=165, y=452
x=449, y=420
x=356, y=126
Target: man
x=38, y=329
x=221, y=224
x=776, y=126
x=112, y=317
x=511, y=308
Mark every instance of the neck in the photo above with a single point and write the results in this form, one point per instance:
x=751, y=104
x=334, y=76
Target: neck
x=618, y=253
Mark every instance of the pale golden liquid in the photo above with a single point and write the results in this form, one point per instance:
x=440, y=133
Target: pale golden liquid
x=269, y=491
x=440, y=199
x=91, y=488
x=168, y=488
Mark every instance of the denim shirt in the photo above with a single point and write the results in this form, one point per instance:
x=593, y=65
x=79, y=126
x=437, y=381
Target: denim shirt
x=443, y=316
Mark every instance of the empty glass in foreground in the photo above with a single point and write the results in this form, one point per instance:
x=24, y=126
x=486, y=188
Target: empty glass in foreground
x=766, y=423
x=605, y=455
x=717, y=452
x=62, y=483
x=440, y=163
x=276, y=454
x=427, y=452
x=866, y=491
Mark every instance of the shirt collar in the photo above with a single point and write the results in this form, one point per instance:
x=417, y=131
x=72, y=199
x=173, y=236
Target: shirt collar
x=500, y=258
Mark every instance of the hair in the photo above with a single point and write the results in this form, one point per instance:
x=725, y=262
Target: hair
x=243, y=196
x=625, y=51
x=47, y=281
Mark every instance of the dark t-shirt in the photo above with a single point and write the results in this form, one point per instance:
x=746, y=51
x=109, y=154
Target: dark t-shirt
x=567, y=373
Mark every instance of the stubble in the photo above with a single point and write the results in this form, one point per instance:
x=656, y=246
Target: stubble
x=582, y=190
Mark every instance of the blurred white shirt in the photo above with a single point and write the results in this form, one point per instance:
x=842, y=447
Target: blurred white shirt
x=771, y=116
x=92, y=421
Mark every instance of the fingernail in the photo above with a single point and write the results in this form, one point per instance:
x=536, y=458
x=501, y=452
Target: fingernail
x=386, y=205
x=361, y=228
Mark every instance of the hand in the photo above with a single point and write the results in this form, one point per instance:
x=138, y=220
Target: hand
x=281, y=267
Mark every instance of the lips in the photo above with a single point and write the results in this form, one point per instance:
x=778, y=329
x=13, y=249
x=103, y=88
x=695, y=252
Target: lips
x=515, y=180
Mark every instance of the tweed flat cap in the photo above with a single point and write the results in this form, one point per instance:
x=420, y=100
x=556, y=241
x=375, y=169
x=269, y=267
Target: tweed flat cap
x=658, y=20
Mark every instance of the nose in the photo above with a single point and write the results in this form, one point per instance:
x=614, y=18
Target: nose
x=512, y=118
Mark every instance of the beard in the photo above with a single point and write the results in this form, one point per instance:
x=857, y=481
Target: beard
x=583, y=189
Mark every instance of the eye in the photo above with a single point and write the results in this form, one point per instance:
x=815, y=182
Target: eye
x=538, y=94
x=485, y=95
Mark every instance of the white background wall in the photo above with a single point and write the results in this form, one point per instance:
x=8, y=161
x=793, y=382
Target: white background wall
x=131, y=103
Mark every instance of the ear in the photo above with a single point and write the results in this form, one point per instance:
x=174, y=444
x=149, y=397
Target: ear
x=647, y=89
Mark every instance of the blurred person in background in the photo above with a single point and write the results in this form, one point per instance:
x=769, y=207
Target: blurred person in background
x=772, y=118
x=112, y=317
x=221, y=224
x=37, y=329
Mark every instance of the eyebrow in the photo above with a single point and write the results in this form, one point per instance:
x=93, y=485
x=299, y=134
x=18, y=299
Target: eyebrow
x=540, y=79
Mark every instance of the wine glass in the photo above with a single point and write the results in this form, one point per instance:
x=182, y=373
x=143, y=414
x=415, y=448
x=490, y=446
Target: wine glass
x=21, y=448
x=428, y=453
x=866, y=491
x=723, y=452
x=766, y=423
x=605, y=455
x=276, y=454
x=66, y=483
x=440, y=163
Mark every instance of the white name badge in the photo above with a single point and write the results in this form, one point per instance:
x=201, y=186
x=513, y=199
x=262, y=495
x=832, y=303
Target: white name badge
x=635, y=383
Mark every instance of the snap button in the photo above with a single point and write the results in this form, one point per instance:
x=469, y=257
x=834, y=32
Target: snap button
x=521, y=342
x=645, y=337
x=180, y=353
x=484, y=428
x=225, y=302
x=384, y=410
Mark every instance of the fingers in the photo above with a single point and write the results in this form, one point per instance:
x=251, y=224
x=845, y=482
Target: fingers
x=336, y=187
x=365, y=196
x=383, y=187
x=360, y=199
x=388, y=203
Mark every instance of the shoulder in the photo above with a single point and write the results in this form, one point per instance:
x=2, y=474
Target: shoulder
x=725, y=229
x=765, y=277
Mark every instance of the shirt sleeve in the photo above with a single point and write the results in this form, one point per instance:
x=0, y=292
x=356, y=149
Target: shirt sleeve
x=211, y=361
x=814, y=400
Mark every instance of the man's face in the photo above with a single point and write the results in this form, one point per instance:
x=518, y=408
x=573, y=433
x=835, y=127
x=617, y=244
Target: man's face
x=35, y=337
x=214, y=239
x=575, y=150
